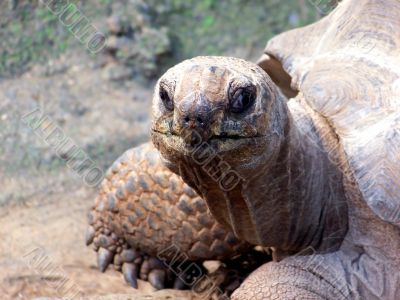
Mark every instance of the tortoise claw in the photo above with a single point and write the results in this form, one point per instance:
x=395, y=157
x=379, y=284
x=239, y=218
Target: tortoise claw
x=130, y=255
x=156, y=278
x=144, y=269
x=104, y=258
x=155, y=263
x=130, y=272
x=179, y=284
x=89, y=236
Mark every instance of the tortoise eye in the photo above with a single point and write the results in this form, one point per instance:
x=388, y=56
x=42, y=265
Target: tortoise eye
x=242, y=99
x=166, y=99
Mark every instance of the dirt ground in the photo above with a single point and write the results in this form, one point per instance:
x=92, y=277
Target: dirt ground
x=43, y=254
x=43, y=203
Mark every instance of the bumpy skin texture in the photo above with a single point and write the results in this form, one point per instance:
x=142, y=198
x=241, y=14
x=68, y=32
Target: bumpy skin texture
x=151, y=207
x=145, y=208
x=318, y=175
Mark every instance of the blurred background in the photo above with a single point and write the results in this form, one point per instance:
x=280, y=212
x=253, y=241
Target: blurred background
x=98, y=95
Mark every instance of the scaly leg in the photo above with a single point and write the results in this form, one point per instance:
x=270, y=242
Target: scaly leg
x=145, y=217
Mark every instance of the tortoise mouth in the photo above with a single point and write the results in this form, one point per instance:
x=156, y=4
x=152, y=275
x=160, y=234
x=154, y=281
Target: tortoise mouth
x=232, y=137
x=212, y=137
x=219, y=143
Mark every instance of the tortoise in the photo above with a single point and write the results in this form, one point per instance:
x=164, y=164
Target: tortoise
x=313, y=178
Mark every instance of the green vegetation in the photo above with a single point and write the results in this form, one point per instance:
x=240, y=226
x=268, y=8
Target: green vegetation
x=30, y=33
x=212, y=27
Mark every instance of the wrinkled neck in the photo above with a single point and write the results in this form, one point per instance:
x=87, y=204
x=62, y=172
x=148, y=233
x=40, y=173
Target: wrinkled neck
x=298, y=201
x=291, y=197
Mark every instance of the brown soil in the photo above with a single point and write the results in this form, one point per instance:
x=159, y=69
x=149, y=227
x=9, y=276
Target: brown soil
x=43, y=254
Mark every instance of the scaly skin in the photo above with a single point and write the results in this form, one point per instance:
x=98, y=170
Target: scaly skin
x=143, y=209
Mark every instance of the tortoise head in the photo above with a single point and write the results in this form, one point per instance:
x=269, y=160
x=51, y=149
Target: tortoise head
x=217, y=121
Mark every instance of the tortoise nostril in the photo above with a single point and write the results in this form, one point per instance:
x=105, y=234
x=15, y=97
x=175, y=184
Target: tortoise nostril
x=200, y=121
x=193, y=121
